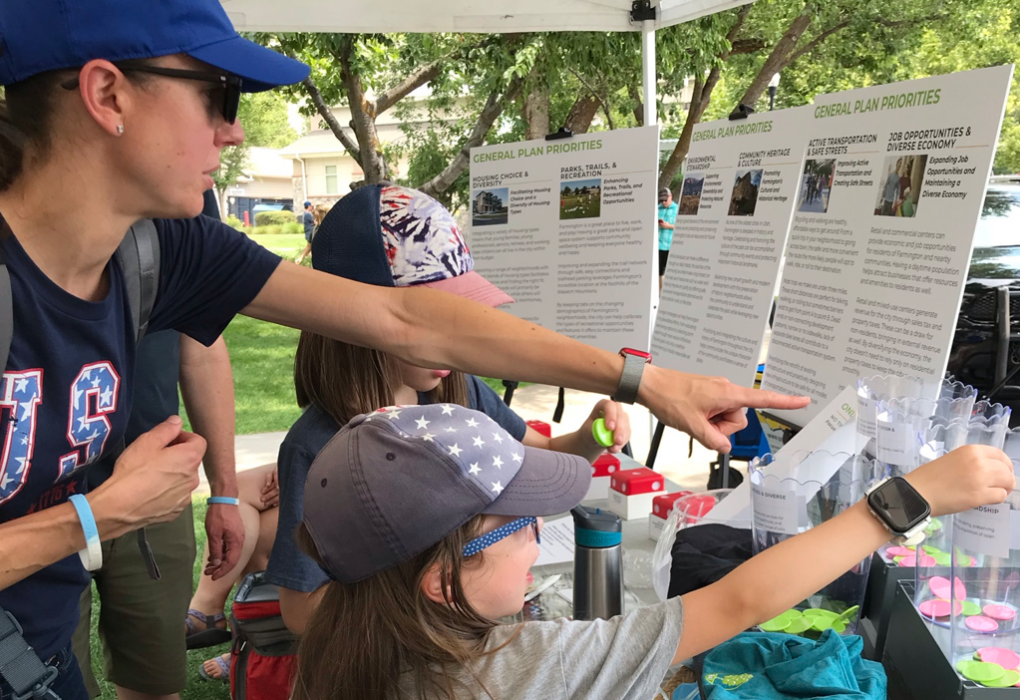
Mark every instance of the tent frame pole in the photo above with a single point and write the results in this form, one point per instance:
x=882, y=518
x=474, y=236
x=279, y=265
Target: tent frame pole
x=648, y=71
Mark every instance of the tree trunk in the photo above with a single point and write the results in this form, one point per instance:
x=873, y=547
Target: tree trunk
x=582, y=112
x=488, y=116
x=700, y=98
x=639, y=109
x=362, y=119
x=536, y=114
x=778, y=59
x=699, y=103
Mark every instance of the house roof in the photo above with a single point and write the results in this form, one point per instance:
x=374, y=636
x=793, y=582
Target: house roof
x=320, y=142
x=268, y=163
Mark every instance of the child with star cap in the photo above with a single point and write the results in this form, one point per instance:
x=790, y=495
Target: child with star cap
x=389, y=236
x=428, y=534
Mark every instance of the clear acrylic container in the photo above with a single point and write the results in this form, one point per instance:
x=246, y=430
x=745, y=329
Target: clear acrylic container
x=870, y=390
x=972, y=607
x=689, y=511
x=789, y=498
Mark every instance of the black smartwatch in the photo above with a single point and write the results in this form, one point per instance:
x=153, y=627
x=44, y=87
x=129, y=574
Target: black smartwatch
x=899, y=507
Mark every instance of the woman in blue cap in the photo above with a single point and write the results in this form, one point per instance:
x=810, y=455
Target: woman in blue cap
x=117, y=110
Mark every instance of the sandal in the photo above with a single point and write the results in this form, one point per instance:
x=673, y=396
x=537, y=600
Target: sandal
x=210, y=636
x=224, y=665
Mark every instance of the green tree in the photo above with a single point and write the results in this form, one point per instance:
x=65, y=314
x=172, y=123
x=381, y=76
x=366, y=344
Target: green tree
x=372, y=73
x=265, y=119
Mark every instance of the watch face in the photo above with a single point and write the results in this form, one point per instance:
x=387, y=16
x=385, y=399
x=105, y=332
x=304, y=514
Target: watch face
x=899, y=504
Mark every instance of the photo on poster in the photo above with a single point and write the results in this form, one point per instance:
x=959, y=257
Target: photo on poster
x=490, y=207
x=745, y=192
x=815, y=186
x=899, y=188
x=690, y=194
x=580, y=199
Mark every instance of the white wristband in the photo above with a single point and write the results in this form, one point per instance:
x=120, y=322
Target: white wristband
x=92, y=555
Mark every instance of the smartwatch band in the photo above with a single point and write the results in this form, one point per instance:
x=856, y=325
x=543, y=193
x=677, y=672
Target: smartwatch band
x=630, y=380
x=92, y=555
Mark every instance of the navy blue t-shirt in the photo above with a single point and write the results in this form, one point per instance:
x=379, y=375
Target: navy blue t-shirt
x=67, y=385
x=288, y=565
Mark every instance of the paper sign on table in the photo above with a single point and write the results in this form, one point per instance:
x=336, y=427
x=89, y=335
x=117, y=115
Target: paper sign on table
x=984, y=530
x=557, y=546
x=877, y=256
x=775, y=510
x=568, y=229
x=735, y=204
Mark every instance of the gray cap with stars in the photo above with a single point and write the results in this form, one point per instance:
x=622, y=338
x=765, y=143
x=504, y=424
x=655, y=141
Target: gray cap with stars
x=395, y=482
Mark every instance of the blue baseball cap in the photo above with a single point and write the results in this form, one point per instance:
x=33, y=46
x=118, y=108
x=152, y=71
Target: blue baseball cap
x=45, y=35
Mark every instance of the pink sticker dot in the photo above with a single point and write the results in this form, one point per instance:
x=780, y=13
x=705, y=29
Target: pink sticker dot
x=1006, y=658
x=938, y=608
x=999, y=612
x=940, y=588
x=980, y=623
x=899, y=552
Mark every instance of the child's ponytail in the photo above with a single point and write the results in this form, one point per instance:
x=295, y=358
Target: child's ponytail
x=370, y=638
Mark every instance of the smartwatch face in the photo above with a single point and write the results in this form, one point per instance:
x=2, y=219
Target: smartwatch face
x=900, y=505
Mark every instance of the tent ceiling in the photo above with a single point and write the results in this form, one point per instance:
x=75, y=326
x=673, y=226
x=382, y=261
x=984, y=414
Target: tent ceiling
x=457, y=15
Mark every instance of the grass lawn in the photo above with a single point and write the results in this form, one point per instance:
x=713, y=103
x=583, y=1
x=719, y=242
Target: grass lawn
x=198, y=689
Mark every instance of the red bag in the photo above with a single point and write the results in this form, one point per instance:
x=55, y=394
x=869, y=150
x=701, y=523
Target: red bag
x=263, y=658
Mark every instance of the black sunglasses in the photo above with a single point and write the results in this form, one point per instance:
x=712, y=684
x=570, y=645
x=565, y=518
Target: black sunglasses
x=231, y=84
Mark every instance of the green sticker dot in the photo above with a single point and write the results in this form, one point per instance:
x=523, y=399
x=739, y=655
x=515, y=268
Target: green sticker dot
x=776, y=624
x=820, y=613
x=971, y=608
x=822, y=624
x=942, y=559
x=602, y=434
x=1007, y=679
x=798, y=626
x=981, y=671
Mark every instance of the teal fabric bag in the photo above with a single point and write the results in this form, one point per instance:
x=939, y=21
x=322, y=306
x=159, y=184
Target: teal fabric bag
x=774, y=666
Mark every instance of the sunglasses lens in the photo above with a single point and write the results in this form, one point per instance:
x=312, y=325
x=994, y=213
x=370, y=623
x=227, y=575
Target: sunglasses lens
x=231, y=102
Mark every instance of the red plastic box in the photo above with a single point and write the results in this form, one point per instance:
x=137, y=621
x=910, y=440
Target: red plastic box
x=540, y=426
x=631, y=492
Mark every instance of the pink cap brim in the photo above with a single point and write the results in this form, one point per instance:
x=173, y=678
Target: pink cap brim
x=472, y=285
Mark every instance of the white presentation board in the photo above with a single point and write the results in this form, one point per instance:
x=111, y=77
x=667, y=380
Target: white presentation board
x=892, y=188
x=567, y=228
x=735, y=205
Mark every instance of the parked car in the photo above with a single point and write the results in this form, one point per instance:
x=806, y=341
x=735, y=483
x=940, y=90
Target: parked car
x=995, y=263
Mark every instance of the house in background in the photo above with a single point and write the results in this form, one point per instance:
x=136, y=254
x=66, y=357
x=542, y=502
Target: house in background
x=323, y=170
x=267, y=182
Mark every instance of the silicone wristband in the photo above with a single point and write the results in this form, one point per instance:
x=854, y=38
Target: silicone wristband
x=92, y=555
x=222, y=501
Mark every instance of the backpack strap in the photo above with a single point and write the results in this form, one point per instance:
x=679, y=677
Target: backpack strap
x=20, y=666
x=6, y=313
x=138, y=255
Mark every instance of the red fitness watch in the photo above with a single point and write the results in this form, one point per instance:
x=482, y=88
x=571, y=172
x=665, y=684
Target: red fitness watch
x=634, y=362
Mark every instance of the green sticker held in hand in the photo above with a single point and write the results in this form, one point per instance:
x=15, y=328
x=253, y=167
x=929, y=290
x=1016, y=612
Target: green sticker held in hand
x=603, y=435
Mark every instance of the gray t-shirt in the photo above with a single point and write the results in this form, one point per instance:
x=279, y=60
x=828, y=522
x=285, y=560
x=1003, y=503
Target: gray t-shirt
x=625, y=658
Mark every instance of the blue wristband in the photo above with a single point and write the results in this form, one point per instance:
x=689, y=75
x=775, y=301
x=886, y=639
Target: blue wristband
x=92, y=555
x=222, y=501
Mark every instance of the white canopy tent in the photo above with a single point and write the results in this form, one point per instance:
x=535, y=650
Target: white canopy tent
x=483, y=16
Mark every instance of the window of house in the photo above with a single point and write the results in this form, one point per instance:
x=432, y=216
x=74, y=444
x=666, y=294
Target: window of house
x=331, y=182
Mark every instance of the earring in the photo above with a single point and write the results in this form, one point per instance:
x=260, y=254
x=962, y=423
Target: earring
x=120, y=129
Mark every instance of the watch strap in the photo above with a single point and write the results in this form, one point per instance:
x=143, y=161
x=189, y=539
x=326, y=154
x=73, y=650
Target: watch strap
x=630, y=380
